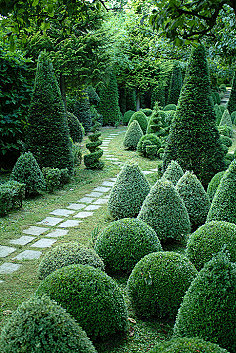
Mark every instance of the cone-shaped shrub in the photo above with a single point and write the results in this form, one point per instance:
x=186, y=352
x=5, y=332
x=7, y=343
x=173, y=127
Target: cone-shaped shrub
x=41, y=325
x=218, y=113
x=48, y=135
x=81, y=108
x=128, y=193
x=158, y=283
x=90, y=296
x=164, y=210
x=194, y=140
x=223, y=204
x=92, y=160
x=173, y=172
x=213, y=185
x=141, y=119
x=209, y=239
x=208, y=309
x=148, y=139
x=132, y=136
x=127, y=116
x=123, y=243
x=232, y=99
x=226, y=119
x=75, y=127
x=195, y=199
x=155, y=125
x=169, y=107
x=175, y=85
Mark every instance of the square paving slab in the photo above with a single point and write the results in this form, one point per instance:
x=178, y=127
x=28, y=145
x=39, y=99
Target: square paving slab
x=8, y=267
x=102, y=189
x=51, y=221
x=87, y=199
x=145, y=172
x=92, y=207
x=44, y=243
x=62, y=212
x=28, y=255
x=113, y=179
x=100, y=201
x=57, y=233
x=76, y=206
x=69, y=223
x=25, y=239
x=108, y=183
x=94, y=194
x=83, y=214
x=35, y=230
x=6, y=250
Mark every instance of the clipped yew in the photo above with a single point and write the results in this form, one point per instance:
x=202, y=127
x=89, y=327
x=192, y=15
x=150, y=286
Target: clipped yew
x=75, y=127
x=141, y=119
x=132, y=136
x=213, y=185
x=92, y=160
x=175, y=85
x=173, y=172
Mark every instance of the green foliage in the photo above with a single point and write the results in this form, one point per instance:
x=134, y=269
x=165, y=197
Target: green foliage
x=92, y=160
x=233, y=117
x=222, y=88
x=169, y=107
x=27, y=171
x=68, y=254
x=155, y=124
x=75, y=127
x=175, y=85
x=41, y=325
x=158, y=283
x=226, y=119
x=94, y=98
x=141, y=118
x=132, y=135
x=225, y=140
x=11, y=196
x=158, y=95
x=127, y=116
x=213, y=185
x=152, y=140
x=128, y=193
x=52, y=178
x=124, y=242
x=224, y=130
x=218, y=113
x=208, y=309
x=146, y=111
x=165, y=212
x=151, y=151
x=80, y=107
x=130, y=99
x=231, y=106
x=90, y=296
x=173, y=172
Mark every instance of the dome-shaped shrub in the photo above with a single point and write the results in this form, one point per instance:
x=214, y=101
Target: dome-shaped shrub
x=213, y=185
x=195, y=198
x=141, y=119
x=158, y=283
x=41, y=325
x=208, y=309
x=173, y=172
x=152, y=140
x=90, y=296
x=127, y=116
x=187, y=345
x=75, y=127
x=170, y=107
x=146, y=111
x=132, y=136
x=128, y=193
x=123, y=243
x=164, y=210
x=68, y=254
x=209, y=239
x=225, y=140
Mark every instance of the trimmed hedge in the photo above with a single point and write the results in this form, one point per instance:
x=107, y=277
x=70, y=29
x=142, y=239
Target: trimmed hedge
x=158, y=283
x=175, y=85
x=226, y=119
x=68, y=254
x=173, y=172
x=92, y=160
x=11, y=195
x=152, y=139
x=225, y=140
x=170, y=107
x=232, y=98
x=213, y=185
x=141, y=119
x=41, y=325
x=75, y=127
x=123, y=243
x=90, y=296
x=146, y=111
x=127, y=116
x=132, y=135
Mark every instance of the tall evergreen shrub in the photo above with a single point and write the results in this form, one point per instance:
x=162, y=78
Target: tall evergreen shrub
x=232, y=99
x=132, y=135
x=175, y=85
x=83, y=112
x=92, y=160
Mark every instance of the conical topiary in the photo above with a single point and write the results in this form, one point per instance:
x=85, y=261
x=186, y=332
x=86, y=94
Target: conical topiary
x=175, y=85
x=213, y=185
x=141, y=119
x=218, y=113
x=132, y=136
x=82, y=110
x=164, y=210
x=223, y=204
x=48, y=133
x=173, y=172
x=75, y=127
x=208, y=310
x=155, y=125
x=195, y=199
x=92, y=160
x=232, y=98
x=226, y=119
x=128, y=193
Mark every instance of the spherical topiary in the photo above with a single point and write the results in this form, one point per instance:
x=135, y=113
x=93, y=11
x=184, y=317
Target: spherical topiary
x=128, y=193
x=146, y=111
x=170, y=107
x=68, y=254
x=132, y=136
x=213, y=185
x=173, y=172
x=153, y=140
x=75, y=127
x=208, y=309
x=187, y=345
x=209, y=239
x=226, y=140
x=127, y=116
x=141, y=119
x=195, y=198
x=123, y=243
x=164, y=210
x=41, y=325
x=158, y=283
x=90, y=296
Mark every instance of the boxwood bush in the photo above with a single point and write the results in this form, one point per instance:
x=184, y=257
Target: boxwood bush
x=124, y=242
x=152, y=140
x=90, y=296
x=68, y=254
x=132, y=136
x=127, y=116
x=226, y=140
x=173, y=172
x=141, y=119
x=75, y=127
x=213, y=185
x=170, y=107
x=41, y=325
x=12, y=194
x=158, y=283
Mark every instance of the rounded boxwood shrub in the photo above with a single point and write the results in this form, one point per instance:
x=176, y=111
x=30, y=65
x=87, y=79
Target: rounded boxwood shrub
x=41, y=325
x=170, y=107
x=75, y=127
x=127, y=116
x=68, y=254
x=213, y=185
x=208, y=309
x=90, y=296
x=141, y=119
x=209, y=239
x=187, y=345
x=146, y=111
x=128, y=193
x=158, y=283
x=173, y=172
x=123, y=243
x=132, y=136
x=164, y=210
x=152, y=140
x=226, y=140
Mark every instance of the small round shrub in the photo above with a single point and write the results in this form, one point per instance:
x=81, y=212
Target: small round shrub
x=230, y=157
x=75, y=127
x=225, y=140
x=90, y=296
x=173, y=172
x=213, y=185
x=127, y=116
x=68, y=254
x=187, y=345
x=158, y=283
x=123, y=243
x=222, y=87
x=208, y=240
x=146, y=111
x=141, y=119
x=153, y=140
x=41, y=325
x=132, y=136
x=225, y=130
x=170, y=107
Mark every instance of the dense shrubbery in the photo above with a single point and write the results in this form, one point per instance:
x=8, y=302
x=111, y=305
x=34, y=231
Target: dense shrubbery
x=175, y=85
x=80, y=107
x=173, y=172
x=146, y=111
x=127, y=116
x=158, y=283
x=213, y=185
x=141, y=119
x=218, y=113
x=123, y=243
x=225, y=140
x=148, y=140
x=11, y=195
x=170, y=107
x=75, y=127
x=232, y=99
x=132, y=135
x=226, y=121
x=92, y=160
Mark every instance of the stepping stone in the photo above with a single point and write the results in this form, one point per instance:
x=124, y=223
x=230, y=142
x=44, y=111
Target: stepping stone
x=118, y=163
x=62, y=212
x=154, y=170
x=83, y=214
x=8, y=267
x=76, y=206
x=87, y=199
x=145, y=172
x=95, y=194
x=51, y=221
x=1, y=281
x=6, y=250
x=92, y=207
x=57, y=233
x=69, y=223
x=44, y=243
x=112, y=158
x=25, y=239
x=113, y=179
x=100, y=201
x=102, y=189
x=106, y=197
x=28, y=255
x=108, y=183
x=35, y=230
x=107, y=155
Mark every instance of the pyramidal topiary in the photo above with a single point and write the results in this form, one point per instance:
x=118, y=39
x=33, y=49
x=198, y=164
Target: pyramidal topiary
x=213, y=185
x=208, y=310
x=164, y=210
x=224, y=201
x=195, y=198
x=128, y=193
x=218, y=113
x=173, y=172
x=226, y=119
x=232, y=99
x=175, y=85
x=132, y=136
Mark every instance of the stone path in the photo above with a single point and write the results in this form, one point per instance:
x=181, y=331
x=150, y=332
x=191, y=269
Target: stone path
x=59, y=221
